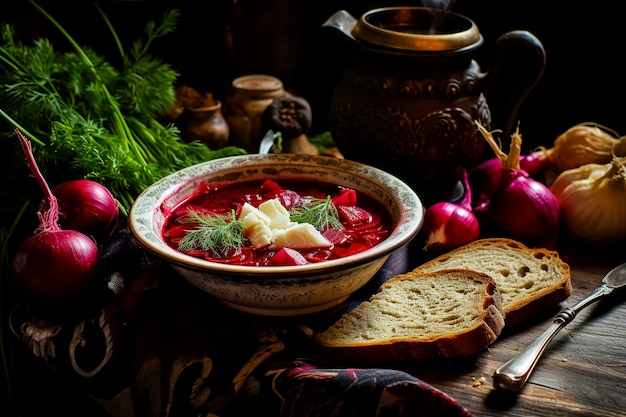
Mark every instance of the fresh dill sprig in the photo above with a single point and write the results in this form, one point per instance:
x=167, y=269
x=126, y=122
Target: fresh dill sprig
x=218, y=234
x=319, y=212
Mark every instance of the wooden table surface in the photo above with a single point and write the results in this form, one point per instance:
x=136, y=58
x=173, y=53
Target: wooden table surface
x=581, y=373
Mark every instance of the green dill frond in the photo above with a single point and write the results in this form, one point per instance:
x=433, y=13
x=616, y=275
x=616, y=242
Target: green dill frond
x=321, y=213
x=218, y=234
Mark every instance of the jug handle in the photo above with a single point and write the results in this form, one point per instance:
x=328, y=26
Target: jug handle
x=530, y=41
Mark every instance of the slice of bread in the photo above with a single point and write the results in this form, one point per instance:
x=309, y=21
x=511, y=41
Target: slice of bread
x=443, y=314
x=529, y=280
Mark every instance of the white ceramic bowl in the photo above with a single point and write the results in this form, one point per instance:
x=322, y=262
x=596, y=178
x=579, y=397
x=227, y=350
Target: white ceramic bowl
x=278, y=290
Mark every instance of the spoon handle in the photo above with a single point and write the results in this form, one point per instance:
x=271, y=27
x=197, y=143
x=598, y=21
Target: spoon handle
x=513, y=375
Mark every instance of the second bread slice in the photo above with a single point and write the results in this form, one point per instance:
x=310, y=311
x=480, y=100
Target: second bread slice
x=440, y=314
x=530, y=280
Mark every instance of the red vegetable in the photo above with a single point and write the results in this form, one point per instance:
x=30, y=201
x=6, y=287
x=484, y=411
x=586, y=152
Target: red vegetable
x=354, y=215
x=517, y=205
x=346, y=197
x=484, y=181
x=356, y=247
x=449, y=225
x=53, y=267
x=287, y=257
x=271, y=189
x=336, y=235
x=288, y=198
x=485, y=178
x=319, y=255
x=535, y=163
x=270, y=186
x=87, y=207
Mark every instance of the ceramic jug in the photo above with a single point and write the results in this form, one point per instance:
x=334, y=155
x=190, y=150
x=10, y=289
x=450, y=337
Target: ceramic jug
x=411, y=92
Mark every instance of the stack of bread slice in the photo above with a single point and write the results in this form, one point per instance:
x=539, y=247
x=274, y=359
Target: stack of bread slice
x=456, y=304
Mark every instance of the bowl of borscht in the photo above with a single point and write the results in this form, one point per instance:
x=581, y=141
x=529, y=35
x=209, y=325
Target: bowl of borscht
x=277, y=234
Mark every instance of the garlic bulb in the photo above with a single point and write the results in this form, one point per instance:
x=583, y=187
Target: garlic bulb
x=593, y=203
x=585, y=144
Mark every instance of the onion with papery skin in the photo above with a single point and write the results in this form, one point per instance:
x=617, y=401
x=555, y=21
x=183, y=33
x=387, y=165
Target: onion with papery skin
x=54, y=267
x=449, y=225
x=87, y=207
x=593, y=202
x=585, y=143
x=587, y=171
x=520, y=208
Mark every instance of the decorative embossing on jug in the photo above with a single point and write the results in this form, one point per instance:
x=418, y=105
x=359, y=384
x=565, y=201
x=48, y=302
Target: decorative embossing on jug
x=409, y=97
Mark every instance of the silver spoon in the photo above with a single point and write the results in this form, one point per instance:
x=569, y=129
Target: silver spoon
x=513, y=375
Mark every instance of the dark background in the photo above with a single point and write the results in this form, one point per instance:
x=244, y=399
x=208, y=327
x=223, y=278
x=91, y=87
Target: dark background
x=584, y=43
x=583, y=79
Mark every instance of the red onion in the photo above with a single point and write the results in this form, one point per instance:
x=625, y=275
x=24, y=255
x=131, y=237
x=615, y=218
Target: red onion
x=535, y=163
x=54, y=266
x=87, y=207
x=514, y=204
x=485, y=178
x=484, y=181
x=449, y=225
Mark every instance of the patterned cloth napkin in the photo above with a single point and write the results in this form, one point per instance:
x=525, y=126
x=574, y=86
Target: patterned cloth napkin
x=158, y=347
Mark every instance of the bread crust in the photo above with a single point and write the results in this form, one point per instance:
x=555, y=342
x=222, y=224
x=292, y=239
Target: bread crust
x=485, y=329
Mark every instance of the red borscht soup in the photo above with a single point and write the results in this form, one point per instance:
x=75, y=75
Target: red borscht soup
x=273, y=223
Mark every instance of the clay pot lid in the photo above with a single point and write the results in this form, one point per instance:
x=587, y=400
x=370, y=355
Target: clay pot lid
x=417, y=29
x=257, y=82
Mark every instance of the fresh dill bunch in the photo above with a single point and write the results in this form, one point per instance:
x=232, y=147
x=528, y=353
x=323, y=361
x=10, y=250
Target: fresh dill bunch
x=319, y=212
x=218, y=234
x=90, y=119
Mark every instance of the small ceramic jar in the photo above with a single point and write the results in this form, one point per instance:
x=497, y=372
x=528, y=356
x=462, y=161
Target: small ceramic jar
x=206, y=124
x=244, y=106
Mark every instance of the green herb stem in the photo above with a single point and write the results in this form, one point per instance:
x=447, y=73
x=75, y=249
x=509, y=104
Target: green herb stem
x=108, y=23
x=24, y=131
